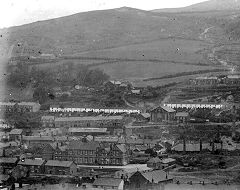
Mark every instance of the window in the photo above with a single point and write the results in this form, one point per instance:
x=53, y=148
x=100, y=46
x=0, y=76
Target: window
x=91, y=152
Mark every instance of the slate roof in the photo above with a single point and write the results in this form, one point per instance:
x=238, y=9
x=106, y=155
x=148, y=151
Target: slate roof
x=107, y=182
x=58, y=163
x=8, y=160
x=16, y=132
x=83, y=146
x=156, y=176
x=31, y=162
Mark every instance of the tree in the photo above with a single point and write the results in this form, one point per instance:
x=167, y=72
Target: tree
x=42, y=94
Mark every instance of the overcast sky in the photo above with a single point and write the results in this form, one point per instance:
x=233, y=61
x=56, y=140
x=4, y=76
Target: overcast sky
x=17, y=12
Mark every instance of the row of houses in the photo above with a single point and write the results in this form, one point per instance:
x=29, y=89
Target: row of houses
x=195, y=105
x=20, y=106
x=216, y=80
x=38, y=166
x=94, y=110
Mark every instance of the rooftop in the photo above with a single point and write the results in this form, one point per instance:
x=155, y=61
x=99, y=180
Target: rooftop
x=8, y=160
x=166, y=108
x=156, y=176
x=31, y=162
x=16, y=132
x=59, y=163
x=87, y=130
x=38, y=138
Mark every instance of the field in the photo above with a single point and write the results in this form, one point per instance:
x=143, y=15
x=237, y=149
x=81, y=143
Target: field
x=170, y=49
x=136, y=71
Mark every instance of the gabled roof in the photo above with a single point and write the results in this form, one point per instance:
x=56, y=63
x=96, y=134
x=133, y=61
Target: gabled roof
x=121, y=147
x=154, y=160
x=16, y=132
x=31, y=162
x=8, y=160
x=83, y=146
x=156, y=176
x=109, y=182
x=58, y=163
x=166, y=108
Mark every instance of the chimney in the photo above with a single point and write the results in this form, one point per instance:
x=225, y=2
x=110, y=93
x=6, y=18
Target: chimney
x=184, y=145
x=200, y=145
x=213, y=147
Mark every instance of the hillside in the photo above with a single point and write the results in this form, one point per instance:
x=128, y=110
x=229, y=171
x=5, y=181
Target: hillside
x=97, y=30
x=210, y=5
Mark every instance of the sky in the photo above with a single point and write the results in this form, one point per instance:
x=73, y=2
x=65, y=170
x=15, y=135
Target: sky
x=18, y=12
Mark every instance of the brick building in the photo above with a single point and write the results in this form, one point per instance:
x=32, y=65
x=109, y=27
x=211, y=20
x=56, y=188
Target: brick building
x=113, y=154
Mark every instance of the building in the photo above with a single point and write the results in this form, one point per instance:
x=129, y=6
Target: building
x=8, y=164
x=16, y=135
x=143, y=117
x=167, y=162
x=94, y=110
x=149, y=179
x=113, y=154
x=36, y=140
x=34, y=166
x=162, y=114
x=195, y=105
x=154, y=163
x=205, y=81
x=108, y=183
x=98, y=121
x=47, y=121
x=232, y=80
x=182, y=117
x=56, y=167
x=79, y=152
x=47, y=152
x=20, y=107
x=87, y=131
x=126, y=173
